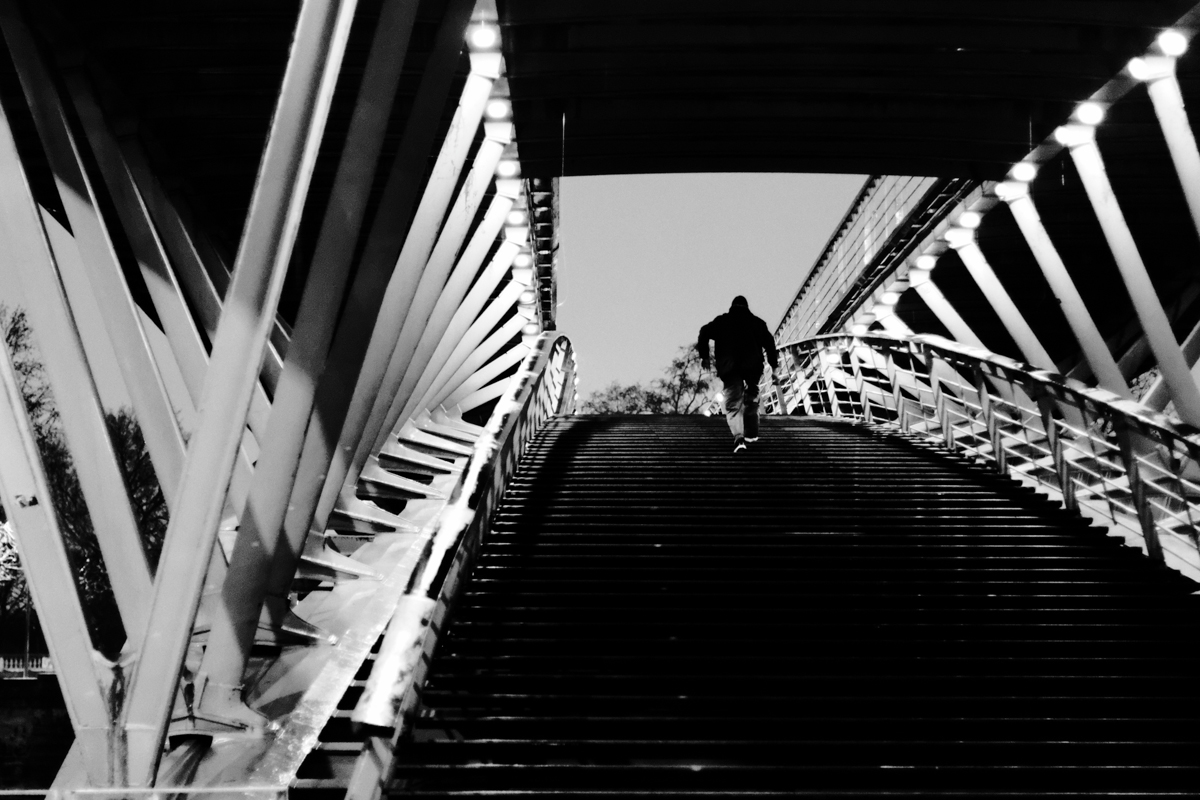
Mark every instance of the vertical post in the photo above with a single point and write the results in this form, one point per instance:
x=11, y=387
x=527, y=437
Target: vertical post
x=1137, y=487
x=1081, y=140
x=246, y=322
x=987, y=410
x=1062, y=467
x=408, y=268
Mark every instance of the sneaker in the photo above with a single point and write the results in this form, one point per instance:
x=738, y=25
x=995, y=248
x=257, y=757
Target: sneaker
x=739, y=445
x=751, y=438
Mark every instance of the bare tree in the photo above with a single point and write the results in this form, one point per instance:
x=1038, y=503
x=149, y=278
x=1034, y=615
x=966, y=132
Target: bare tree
x=83, y=549
x=683, y=390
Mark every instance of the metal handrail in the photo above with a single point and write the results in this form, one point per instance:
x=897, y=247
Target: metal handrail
x=543, y=387
x=1111, y=459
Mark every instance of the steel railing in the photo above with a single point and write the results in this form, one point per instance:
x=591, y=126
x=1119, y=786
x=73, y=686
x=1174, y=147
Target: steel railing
x=1114, y=461
x=543, y=387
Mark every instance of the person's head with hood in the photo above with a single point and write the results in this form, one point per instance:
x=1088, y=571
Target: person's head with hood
x=739, y=302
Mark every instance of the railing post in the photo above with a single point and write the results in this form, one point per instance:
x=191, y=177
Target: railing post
x=989, y=418
x=1062, y=467
x=1137, y=487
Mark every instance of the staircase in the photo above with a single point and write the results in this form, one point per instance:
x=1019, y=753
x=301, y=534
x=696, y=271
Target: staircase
x=836, y=612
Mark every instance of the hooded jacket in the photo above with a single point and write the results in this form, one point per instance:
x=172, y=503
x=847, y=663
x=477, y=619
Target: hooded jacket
x=741, y=339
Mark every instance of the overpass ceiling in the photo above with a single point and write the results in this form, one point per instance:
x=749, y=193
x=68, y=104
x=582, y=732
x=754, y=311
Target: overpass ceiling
x=921, y=87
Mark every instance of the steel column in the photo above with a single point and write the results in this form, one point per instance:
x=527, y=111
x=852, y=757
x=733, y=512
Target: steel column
x=1100, y=360
x=418, y=244
x=433, y=282
x=453, y=390
x=946, y=314
x=492, y=370
x=237, y=615
x=1002, y=303
x=364, y=301
x=404, y=403
x=51, y=581
x=28, y=266
x=149, y=397
x=480, y=328
x=464, y=315
x=1081, y=141
x=246, y=322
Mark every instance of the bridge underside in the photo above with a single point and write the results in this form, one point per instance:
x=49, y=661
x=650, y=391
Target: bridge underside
x=320, y=227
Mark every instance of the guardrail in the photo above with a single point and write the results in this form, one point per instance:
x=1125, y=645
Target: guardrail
x=544, y=387
x=1117, y=463
x=20, y=664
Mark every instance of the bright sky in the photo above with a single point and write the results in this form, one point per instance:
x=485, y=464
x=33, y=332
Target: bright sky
x=645, y=260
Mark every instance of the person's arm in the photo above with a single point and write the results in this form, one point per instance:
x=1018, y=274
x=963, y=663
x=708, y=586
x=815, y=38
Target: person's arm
x=702, y=345
x=768, y=344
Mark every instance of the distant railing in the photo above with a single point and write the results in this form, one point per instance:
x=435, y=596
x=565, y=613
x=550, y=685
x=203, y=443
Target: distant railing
x=21, y=664
x=1134, y=470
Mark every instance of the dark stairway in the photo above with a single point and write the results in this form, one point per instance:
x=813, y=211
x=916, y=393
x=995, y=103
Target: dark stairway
x=836, y=612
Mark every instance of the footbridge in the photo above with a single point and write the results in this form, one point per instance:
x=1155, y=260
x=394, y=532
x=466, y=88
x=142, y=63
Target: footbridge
x=295, y=262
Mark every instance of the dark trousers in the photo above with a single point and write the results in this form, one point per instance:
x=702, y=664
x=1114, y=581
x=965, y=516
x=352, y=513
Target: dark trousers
x=741, y=403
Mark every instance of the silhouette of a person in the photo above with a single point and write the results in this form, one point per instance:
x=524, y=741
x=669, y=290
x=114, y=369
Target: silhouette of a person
x=741, y=340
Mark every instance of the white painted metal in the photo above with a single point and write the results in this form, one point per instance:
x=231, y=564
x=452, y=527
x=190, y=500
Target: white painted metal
x=1002, y=303
x=433, y=283
x=490, y=372
x=419, y=243
x=151, y=403
x=246, y=321
x=464, y=315
x=1091, y=342
x=479, y=343
x=448, y=301
x=51, y=581
x=946, y=314
x=29, y=272
x=1146, y=303
x=260, y=540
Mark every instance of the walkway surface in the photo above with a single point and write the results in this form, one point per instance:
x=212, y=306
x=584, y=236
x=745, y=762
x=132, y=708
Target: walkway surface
x=835, y=612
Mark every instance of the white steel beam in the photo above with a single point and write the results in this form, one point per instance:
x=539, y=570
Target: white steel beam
x=1081, y=141
x=1167, y=98
x=492, y=370
x=481, y=396
x=452, y=394
x=151, y=403
x=27, y=500
x=260, y=536
x=165, y=292
x=404, y=403
x=246, y=321
x=365, y=299
x=947, y=314
x=418, y=244
x=1000, y=300
x=433, y=281
x=1091, y=342
x=464, y=314
x=29, y=271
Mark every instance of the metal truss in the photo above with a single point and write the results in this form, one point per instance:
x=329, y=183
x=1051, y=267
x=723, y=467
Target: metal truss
x=328, y=489
x=1134, y=471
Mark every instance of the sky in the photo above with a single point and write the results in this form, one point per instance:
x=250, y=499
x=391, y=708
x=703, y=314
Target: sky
x=645, y=260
